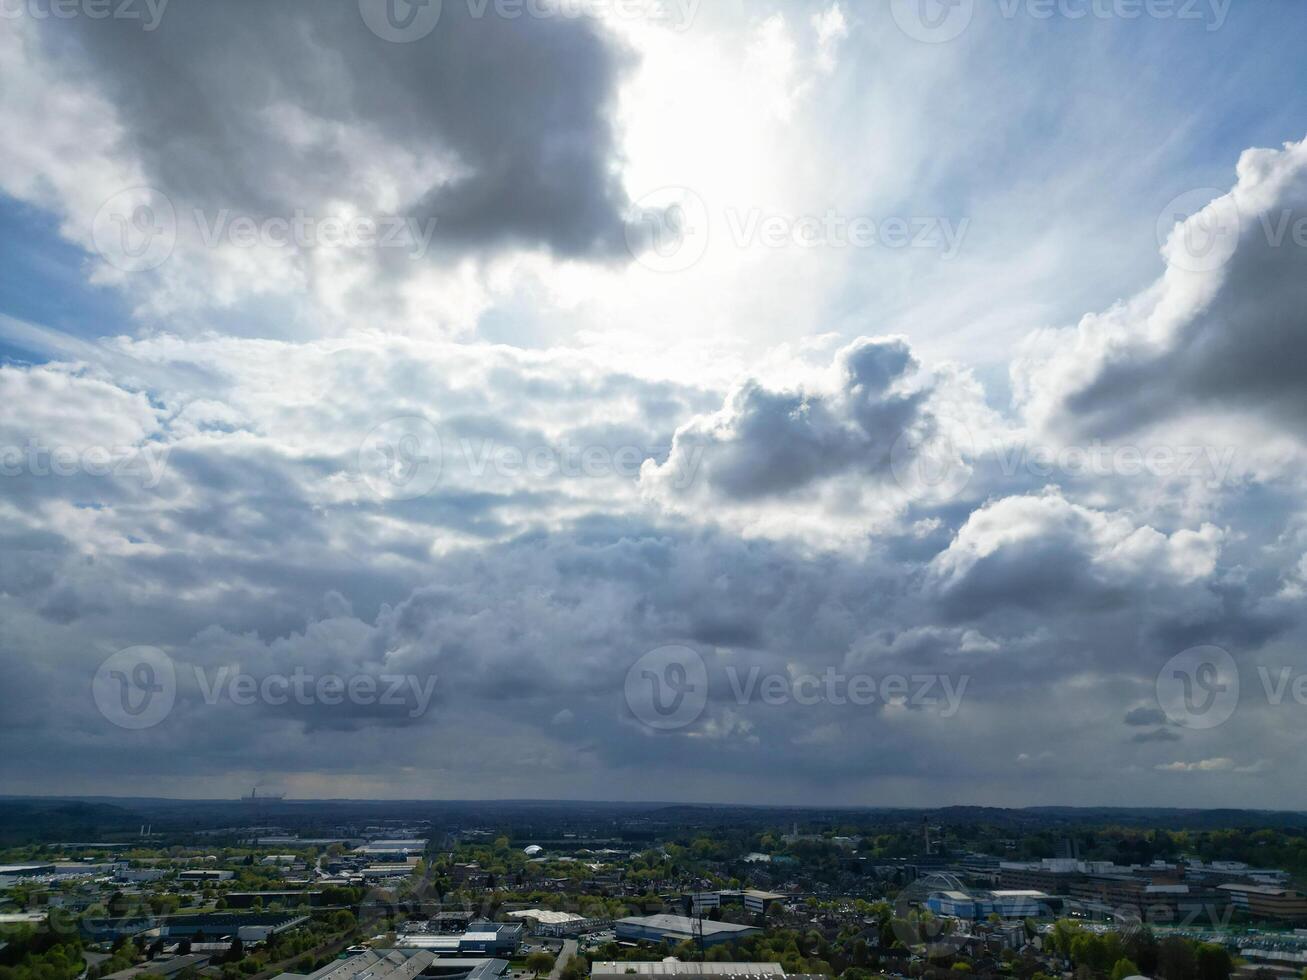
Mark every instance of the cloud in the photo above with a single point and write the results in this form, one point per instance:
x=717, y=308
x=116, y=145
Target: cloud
x=836, y=452
x=1217, y=333
x=418, y=477
x=1218, y=764
x=1046, y=552
x=290, y=154
x=1145, y=715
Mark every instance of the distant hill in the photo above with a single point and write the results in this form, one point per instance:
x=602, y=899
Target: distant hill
x=27, y=821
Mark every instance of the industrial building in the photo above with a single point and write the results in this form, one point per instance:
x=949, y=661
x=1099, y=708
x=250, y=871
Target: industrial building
x=547, y=922
x=247, y=927
x=679, y=929
x=384, y=851
x=400, y=964
x=482, y=937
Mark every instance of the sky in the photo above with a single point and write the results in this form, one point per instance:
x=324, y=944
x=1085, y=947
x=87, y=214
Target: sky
x=883, y=403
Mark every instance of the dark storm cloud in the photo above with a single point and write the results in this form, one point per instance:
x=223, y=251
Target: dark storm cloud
x=266, y=107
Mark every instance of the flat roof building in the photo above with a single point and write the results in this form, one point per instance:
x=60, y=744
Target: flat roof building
x=679, y=929
x=1267, y=901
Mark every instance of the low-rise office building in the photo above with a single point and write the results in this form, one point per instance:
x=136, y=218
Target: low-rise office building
x=1267, y=901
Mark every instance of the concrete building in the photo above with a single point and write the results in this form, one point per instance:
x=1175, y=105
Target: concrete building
x=758, y=902
x=698, y=903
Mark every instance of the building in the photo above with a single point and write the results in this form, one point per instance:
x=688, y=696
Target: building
x=469, y=874
x=247, y=927
x=1234, y=872
x=547, y=922
x=672, y=967
x=387, y=870
x=383, y=851
x=467, y=968
x=452, y=921
x=162, y=966
x=753, y=900
x=679, y=929
x=697, y=903
x=1267, y=901
x=1158, y=893
x=106, y=930
x=395, y=964
x=139, y=875
x=25, y=870
x=482, y=937
x=286, y=899
x=1004, y=903
x=759, y=902
x=206, y=875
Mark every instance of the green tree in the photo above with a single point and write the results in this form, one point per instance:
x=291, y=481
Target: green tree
x=539, y=962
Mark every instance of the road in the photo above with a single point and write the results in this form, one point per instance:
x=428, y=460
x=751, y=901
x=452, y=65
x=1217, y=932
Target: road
x=569, y=950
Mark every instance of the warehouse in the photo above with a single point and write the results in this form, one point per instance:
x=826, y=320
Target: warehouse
x=679, y=929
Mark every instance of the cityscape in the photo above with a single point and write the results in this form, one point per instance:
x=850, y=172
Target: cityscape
x=267, y=887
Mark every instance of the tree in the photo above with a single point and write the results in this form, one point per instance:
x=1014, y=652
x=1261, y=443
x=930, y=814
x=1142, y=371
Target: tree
x=236, y=951
x=1214, y=962
x=539, y=962
x=1124, y=968
x=1176, y=959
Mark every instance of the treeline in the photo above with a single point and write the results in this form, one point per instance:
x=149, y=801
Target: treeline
x=1138, y=952
x=32, y=955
